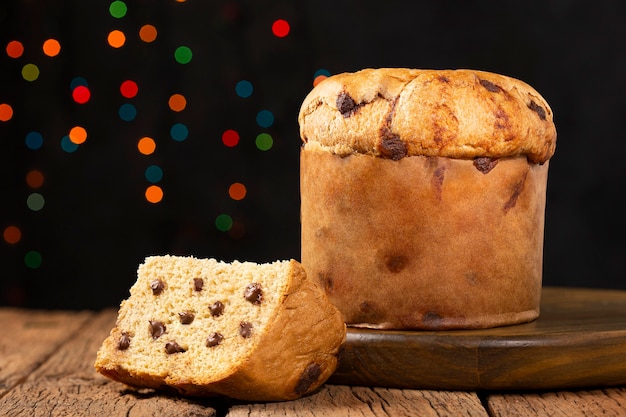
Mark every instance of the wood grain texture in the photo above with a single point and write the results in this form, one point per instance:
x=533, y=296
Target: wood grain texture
x=28, y=338
x=578, y=341
x=343, y=401
x=607, y=403
x=66, y=384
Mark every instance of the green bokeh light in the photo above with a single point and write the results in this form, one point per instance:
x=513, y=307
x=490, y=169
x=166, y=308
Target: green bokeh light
x=118, y=9
x=183, y=55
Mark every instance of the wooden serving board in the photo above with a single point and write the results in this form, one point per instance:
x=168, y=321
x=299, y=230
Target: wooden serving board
x=578, y=341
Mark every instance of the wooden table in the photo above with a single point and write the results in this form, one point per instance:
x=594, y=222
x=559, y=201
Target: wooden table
x=46, y=369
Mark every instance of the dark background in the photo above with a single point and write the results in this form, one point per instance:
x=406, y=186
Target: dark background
x=96, y=225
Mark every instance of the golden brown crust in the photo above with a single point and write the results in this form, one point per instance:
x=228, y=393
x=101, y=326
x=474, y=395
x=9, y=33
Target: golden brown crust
x=424, y=242
x=394, y=112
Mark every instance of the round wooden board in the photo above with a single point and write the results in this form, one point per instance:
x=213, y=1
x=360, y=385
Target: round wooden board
x=579, y=341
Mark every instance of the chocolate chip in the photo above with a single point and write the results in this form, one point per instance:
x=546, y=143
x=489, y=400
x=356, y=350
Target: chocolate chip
x=485, y=164
x=396, y=263
x=245, y=329
x=392, y=147
x=217, y=308
x=173, y=347
x=491, y=87
x=345, y=104
x=198, y=283
x=214, y=339
x=310, y=375
x=124, y=341
x=431, y=320
x=157, y=286
x=157, y=329
x=186, y=317
x=253, y=293
x=541, y=112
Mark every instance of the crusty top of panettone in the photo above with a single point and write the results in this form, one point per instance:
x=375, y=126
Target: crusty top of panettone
x=397, y=112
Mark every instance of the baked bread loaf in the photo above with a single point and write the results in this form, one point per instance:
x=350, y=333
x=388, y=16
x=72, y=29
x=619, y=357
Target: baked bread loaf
x=423, y=196
x=200, y=327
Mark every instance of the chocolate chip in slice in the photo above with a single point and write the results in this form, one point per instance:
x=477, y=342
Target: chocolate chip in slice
x=124, y=341
x=217, y=308
x=253, y=293
x=198, y=284
x=157, y=286
x=214, y=339
x=186, y=317
x=310, y=375
x=173, y=347
x=245, y=329
x=157, y=328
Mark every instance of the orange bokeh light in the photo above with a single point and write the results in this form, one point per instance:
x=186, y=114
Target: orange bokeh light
x=116, y=39
x=51, y=47
x=12, y=234
x=146, y=145
x=34, y=178
x=148, y=33
x=237, y=191
x=177, y=102
x=154, y=194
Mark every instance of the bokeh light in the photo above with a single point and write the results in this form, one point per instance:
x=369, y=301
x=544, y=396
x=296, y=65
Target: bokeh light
x=153, y=174
x=265, y=118
x=34, y=178
x=223, y=222
x=116, y=38
x=320, y=75
x=67, y=145
x=237, y=191
x=6, y=112
x=35, y=201
x=118, y=9
x=244, y=88
x=15, y=49
x=30, y=72
x=230, y=138
x=78, y=81
x=148, y=33
x=33, y=259
x=280, y=28
x=179, y=132
x=127, y=112
x=78, y=135
x=12, y=234
x=183, y=55
x=154, y=194
x=129, y=89
x=81, y=94
x=51, y=47
x=33, y=140
x=264, y=141
x=146, y=145
x=177, y=102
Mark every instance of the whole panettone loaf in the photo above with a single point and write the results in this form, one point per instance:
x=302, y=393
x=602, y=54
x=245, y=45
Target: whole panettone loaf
x=201, y=327
x=423, y=196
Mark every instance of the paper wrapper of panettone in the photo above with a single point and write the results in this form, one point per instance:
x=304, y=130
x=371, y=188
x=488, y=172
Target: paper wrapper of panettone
x=423, y=197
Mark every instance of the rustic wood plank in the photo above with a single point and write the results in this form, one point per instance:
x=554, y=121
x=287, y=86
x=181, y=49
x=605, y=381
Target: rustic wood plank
x=28, y=338
x=606, y=402
x=343, y=401
x=67, y=384
x=577, y=342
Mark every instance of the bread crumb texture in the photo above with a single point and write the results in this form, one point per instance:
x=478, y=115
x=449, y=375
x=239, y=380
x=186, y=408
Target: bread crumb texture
x=395, y=112
x=197, y=325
